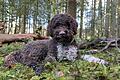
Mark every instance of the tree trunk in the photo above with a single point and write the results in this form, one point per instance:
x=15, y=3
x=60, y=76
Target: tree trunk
x=34, y=24
x=23, y=23
x=49, y=10
x=113, y=19
x=66, y=6
x=23, y=17
x=107, y=19
x=93, y=20
x=72, y=8
x=100, y=20
x=118, y=19
x=81, y=18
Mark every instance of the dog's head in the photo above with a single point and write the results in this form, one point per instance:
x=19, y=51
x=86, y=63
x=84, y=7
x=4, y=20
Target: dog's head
x=62, y=27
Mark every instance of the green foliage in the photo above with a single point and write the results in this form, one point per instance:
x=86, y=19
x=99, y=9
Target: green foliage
x=78, y=70
x=9, y=48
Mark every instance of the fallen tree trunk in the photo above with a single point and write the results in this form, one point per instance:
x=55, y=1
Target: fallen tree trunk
x=9, y=38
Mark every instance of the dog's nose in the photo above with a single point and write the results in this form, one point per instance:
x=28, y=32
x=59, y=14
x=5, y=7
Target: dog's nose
x=62, y=33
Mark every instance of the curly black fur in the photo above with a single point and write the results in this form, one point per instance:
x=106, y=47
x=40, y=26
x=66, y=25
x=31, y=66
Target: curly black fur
x=65, y=23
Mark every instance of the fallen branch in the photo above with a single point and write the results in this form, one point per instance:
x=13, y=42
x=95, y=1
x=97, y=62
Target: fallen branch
x=116, y=42
x=106, y=47
x=101, y=44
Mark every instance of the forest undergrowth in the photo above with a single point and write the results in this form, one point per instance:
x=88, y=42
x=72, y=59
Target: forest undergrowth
x=78, y=70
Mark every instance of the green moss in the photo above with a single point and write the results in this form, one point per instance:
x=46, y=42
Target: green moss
x=78, y=70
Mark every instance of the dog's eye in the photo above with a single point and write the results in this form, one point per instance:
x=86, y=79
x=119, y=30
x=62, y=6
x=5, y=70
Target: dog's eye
x=57, y=24
x=68, y=27
x=68, y=24
x=54, y=27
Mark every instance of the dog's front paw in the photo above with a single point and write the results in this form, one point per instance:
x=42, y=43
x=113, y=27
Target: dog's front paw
x=50, y=59
x=39, y=70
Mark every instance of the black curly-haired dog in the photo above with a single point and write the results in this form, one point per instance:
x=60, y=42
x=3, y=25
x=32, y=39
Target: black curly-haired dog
x=62, y=46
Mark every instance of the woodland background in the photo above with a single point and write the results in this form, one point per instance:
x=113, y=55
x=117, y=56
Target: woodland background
x=98, y=34
x=96, y=18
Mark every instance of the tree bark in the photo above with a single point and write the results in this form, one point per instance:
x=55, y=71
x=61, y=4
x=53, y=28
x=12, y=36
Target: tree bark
x=81, y=18
x=6, y=38
x=100, y=18
x=113, y=28
x=72, y=8
x=2, y=27
x=107, y=19
x=23, y=23
x=118, y=19
x=93, y=20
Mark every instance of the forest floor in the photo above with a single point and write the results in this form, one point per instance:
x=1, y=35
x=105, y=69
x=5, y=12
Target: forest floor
x=78, y=70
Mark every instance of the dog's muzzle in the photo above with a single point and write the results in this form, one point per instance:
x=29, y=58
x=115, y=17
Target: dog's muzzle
x=63, y=35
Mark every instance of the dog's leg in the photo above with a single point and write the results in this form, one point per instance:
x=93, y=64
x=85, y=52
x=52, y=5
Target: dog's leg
x=50, y=58
x=38, y=69
x=78, y=56
x=52, y=52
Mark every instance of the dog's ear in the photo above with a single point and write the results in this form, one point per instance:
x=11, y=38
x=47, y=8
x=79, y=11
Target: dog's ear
x=74, y=26
x=50, y=26
x=49, y=29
